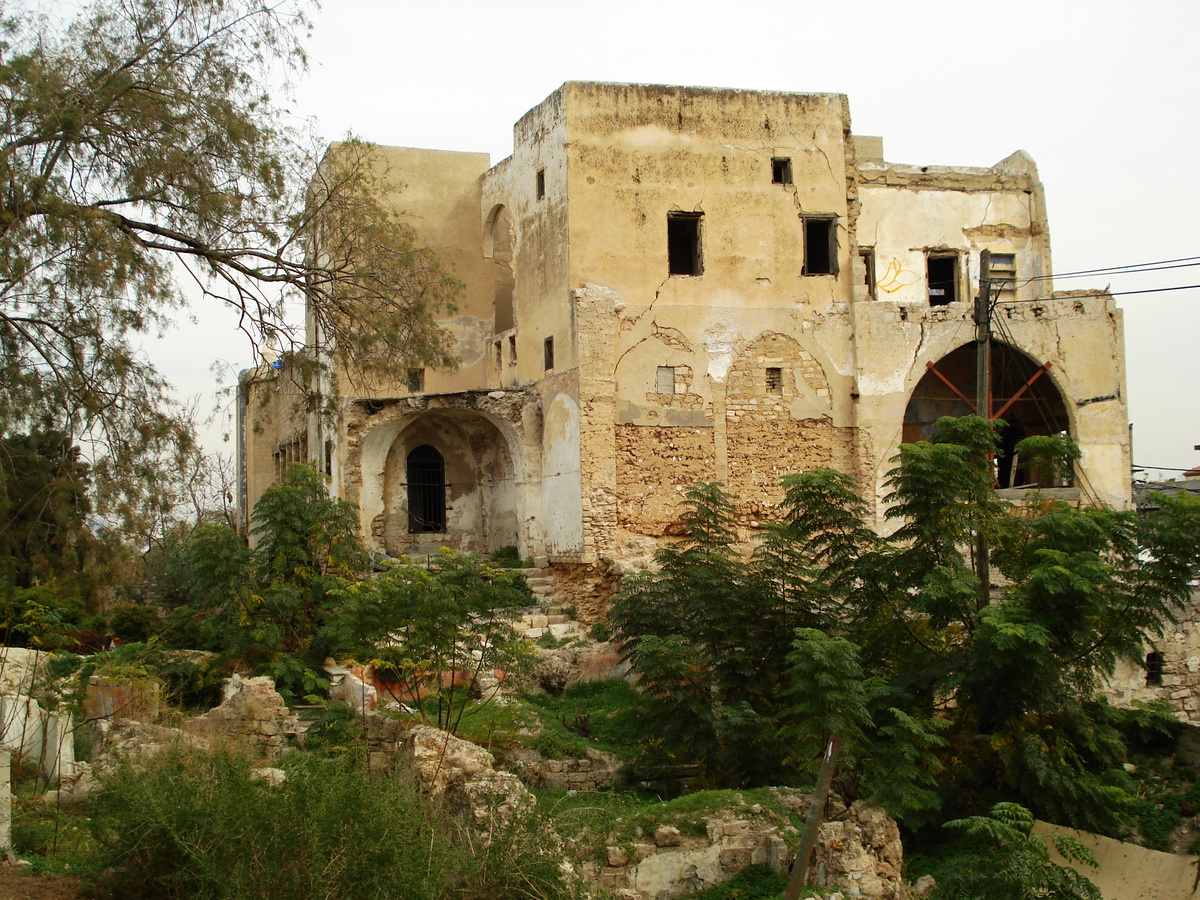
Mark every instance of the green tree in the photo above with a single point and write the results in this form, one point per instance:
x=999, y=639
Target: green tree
x=949, y=696
x=138, y=145
x=441, y=634
x=998, y=856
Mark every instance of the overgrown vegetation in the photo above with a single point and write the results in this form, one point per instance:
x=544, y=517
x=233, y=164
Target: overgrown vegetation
x=749, y=664
x=198, y=824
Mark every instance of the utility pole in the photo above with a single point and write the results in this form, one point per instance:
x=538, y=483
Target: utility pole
x=983, y=401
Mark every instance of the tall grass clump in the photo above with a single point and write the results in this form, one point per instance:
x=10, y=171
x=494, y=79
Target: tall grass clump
x=196, y=824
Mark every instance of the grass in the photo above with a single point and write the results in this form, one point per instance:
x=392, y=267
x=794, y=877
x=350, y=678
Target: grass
x=601, y=715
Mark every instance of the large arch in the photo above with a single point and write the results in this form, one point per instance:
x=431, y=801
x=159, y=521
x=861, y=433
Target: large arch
x=481, y=479
x=1024, y=395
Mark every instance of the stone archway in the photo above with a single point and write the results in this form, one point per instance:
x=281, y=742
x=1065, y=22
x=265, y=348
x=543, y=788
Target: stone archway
x=476, y=507
x=1024, y=395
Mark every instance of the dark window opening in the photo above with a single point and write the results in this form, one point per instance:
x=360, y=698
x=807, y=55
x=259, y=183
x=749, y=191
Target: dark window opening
x=666, y=380
x=1154, y=669
x=416, y=381
x=781, y=171
x=942, y=275
x=683, y=244
x=512, y=349
x=499, y=348
x=548, y=353
x=426, y=491
x=867, y=255
x=774, y=380
x=820, y=245
x=329, y=459
x=541, y=183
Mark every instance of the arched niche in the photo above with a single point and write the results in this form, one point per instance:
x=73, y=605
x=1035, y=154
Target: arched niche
x=500, y=246
x=456, y=463
x=1024, y=395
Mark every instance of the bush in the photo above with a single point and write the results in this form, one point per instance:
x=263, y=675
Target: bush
x=195, y=824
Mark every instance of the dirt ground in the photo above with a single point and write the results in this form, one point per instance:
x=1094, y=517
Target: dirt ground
x=15, y=885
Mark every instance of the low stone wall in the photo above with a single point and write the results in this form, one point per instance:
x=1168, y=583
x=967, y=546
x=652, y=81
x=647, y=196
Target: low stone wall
x=858, y=852
x=597, y=771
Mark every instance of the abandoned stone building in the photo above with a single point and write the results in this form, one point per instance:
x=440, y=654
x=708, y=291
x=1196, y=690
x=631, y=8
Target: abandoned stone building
x=669, y=284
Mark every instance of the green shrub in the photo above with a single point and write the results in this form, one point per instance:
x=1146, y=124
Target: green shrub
x=195, y=824
x=752, y=883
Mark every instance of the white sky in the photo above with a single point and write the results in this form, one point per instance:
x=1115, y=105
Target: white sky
x=1104, y=95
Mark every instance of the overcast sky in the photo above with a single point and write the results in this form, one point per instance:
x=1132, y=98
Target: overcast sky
x=1104, y=95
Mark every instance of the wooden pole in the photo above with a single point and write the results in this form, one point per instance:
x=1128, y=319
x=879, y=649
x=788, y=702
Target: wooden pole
x=816, y=809
x=983, y=402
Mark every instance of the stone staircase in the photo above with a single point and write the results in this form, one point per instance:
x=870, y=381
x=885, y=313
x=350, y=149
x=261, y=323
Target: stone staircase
x=546, y=617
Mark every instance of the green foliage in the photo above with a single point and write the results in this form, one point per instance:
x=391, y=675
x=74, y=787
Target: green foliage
x=999, y=857
x=750, y=664
x=196, y=824
x=134, y=623
x=752, y=883
x=610, y=710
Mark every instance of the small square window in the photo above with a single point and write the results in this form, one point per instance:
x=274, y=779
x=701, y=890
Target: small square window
x=416, y=381
x=774, y=380
x=548, y=353
x=512, y=349
x=820, y=245
x=683, y=243
x=666, y=379
x=541, y=183
x=781, y=171
x=1154, y=669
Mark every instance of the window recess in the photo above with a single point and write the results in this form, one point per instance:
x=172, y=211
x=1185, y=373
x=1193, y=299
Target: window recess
x=684, y=253
x=820, y=245
x=941, y=275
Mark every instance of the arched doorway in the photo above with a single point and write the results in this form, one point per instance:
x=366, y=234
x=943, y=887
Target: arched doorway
x=1023, y=395
x=426, y=491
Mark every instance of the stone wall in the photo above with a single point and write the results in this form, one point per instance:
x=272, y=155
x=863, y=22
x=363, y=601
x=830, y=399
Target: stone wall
x=1178, y=679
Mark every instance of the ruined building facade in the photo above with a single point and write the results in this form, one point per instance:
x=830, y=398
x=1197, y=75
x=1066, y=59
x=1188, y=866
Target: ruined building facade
x=669, y=284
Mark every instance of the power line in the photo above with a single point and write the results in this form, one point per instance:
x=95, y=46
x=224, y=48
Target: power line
x=1130, y=269
x=1167, y=468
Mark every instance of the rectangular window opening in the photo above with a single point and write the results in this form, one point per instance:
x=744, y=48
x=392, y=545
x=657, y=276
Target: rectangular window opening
x=548, y=353
x=329, y=459
x=820, y=245
x=781, y=171
x=541, y=183
x=942, y=275
x=683, y=243
x=1003, y=272
x=867, y=255
x=666, y=380
x=1154, y=669
x=512, y=349
x=774, y=380
x=416, y=381
x=499, y=353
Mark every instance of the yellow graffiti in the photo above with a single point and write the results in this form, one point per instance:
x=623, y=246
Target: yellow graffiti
x=896, y=277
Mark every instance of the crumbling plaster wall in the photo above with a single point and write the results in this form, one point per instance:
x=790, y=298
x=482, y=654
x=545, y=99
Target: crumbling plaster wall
x=540, y=252
x=637, y=154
